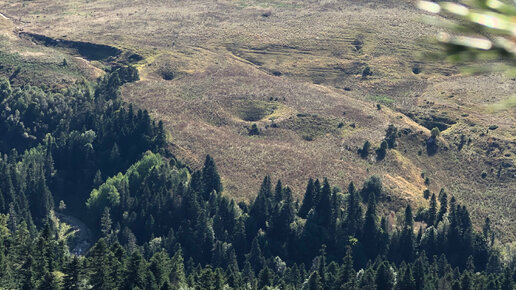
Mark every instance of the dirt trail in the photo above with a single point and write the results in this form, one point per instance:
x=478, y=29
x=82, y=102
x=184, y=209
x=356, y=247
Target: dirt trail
x=83, y=236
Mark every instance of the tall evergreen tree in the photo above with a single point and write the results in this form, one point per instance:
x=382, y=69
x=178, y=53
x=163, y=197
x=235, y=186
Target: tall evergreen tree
x=308, y=200
x=432, y=211
x=384, y=277
x=407, y=280
x=314, y=282
x=369, y=236
x=72, y=275
x=135, y=275
x=210, y=177
x=353, y=221
x=443, y=200
x=406, y=248
x=261, y=208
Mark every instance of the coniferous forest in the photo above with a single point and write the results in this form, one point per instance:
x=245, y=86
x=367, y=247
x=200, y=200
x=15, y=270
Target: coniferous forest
x=154, y=223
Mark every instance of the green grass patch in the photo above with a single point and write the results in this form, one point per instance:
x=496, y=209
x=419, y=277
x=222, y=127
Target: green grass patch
x=253, y=110
x=382, y=99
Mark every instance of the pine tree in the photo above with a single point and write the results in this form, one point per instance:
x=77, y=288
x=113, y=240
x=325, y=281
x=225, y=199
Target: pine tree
x=406, y=249
x=161, y=137
x=99, y=267
x=365, y=149
x=443, y=200
x=324, y=210
x=390, y=136
x=177, y=271
x=265, y=278
x=261, y=208
x=255, y=257
x=27, y=274
x=135, y=276
x=347, y=276
x=105, y=225
x=308, y=200
x=382, y=150
x=48, y=282
x=370, y=230
x=432, y=211
x=278, y=192
x=72, y=275
x=210, y=177
x=384, y=277
x=419, y=273
x=367, y=280
x=407, y=280
x=353, y=220
x=314, y=282
x=160, y=267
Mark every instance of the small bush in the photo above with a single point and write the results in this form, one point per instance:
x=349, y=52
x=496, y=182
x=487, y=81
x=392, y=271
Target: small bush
x=167, y=75
x=254, y=130
x=267, y=14
x=308, y=138
x=426, y=194
x=435, y=132
x=367, y=72
x=382, y=151
x=365, y=149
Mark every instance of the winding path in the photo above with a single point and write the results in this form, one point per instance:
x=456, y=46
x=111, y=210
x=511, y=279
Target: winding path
x=83, y=236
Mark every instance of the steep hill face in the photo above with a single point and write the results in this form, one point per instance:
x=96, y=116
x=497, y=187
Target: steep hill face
x=310, y=76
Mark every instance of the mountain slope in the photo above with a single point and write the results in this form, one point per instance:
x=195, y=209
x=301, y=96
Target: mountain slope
x=298, y=70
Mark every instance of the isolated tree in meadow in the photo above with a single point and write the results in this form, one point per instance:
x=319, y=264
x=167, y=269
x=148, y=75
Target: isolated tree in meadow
x=365, y=149
x=390, y=136
x=382, y=150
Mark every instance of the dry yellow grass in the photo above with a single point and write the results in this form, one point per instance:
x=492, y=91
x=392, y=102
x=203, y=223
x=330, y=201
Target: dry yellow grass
x=223, y=54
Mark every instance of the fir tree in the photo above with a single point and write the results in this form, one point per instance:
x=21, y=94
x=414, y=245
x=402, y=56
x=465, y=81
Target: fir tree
x=407, y=280
x=443, y=200
x=370, y=229
x=210, y=177
x=308, y=200
x=72, y=275
x=135, y=276
x=353, y=221
x=384, y=277
x=314, y=282
x=432, y=211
